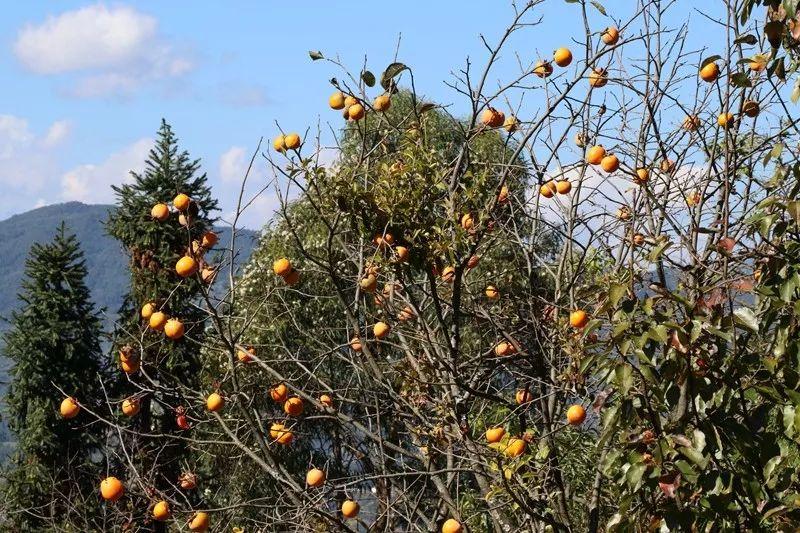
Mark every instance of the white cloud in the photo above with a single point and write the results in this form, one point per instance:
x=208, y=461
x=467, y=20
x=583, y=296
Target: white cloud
x=90, y=37
x=57, y=133
x=258, y=200
x=91, y=183
x=115, y=49
x=14, y=133
x=232, y=164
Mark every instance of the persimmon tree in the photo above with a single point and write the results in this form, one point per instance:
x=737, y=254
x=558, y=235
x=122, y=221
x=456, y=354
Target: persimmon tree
x=569, y=306
x=152, y=401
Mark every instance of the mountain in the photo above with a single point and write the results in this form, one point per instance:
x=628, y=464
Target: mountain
x=105, y=260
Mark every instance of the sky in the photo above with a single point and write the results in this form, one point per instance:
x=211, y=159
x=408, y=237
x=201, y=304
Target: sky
x=85, y=84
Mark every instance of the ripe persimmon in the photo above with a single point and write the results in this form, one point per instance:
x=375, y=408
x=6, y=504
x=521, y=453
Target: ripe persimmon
x=492, y=118
x=186, y=266
x=576, y=414
x=246, y=356
x=515, y=447
x=495, y=434
x=174, y=329
x=181, y=202
x=402, y=253
x=368, y=283
x=548, y=189
x=161, y=511
x=355, y=344
x=336, y=100
x=382, y=103
x=199, y=522
x=292, y=141
x=215, y=402
x=381, y=330
x=451, y=525
x=350, y=508
x=578, y=319
x=111, y=489
x=709, y=72
x=326, y=400
x=562, y=57
x=160, y=212
x=610, y=163
x=491, y=292
x=131, y=406
x=595, y=154
x=355, y=112
x=282, y=267
x=147, y=310
x=69, y=407
x=130, y=367
x=293, y=406
x=279, y=392
x=279, y=143
x=504, y=348
x=725, y=120
x=315, y=477
x=610, y=35
x=563, y=186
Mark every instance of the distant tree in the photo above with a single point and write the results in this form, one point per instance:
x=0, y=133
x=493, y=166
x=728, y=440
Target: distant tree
x=154, y=247
x=54, y=347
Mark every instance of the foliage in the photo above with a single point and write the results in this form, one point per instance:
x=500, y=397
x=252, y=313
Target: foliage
x=153, y=248
x=54, y=347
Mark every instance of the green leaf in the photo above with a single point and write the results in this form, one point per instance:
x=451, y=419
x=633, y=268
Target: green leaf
x=658, y=333
x=368, y=77
x=790, y=6
x=744, y=316
x=788, y=420
x=634, y=474
x=748, y=38
x=708, y=60
x=778, y=69
x=391, y=72
x=740, y=79
x=793, y=208
x=615, y=292
x=770, y=466
x=694, y=456
x=624, y=377
x=315, y=55
x=599, y=7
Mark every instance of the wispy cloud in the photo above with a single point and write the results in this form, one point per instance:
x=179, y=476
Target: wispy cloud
x=91, y=183
x=113, y=51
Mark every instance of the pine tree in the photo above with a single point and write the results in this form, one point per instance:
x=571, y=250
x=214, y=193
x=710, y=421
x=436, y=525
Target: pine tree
x=168, y=368
x=54, y=347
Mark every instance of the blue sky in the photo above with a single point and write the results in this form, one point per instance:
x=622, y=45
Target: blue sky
x=85, y=84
